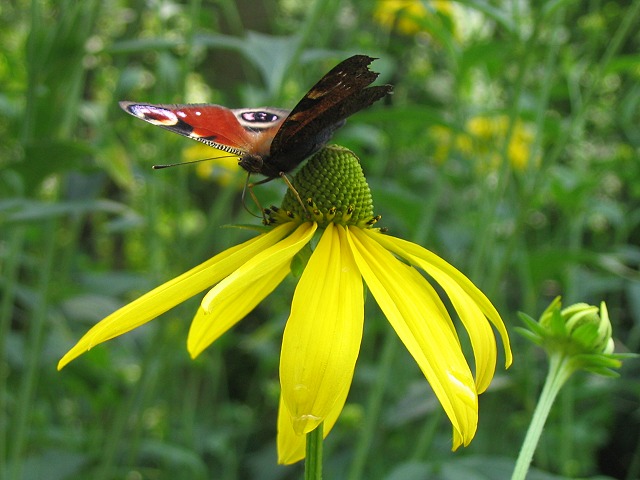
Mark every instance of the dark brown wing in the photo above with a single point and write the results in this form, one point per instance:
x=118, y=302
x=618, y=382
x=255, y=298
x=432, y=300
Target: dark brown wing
x=340, y=93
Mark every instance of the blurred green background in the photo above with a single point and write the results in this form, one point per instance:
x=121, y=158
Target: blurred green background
x=510, y=147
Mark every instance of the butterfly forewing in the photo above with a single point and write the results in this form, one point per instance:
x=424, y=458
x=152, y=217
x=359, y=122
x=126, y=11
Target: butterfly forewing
x=336, y=96
x=234, y=131
x=353, y=103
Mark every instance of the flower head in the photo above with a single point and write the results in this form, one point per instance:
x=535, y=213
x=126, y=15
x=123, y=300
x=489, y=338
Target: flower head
x=322, y=336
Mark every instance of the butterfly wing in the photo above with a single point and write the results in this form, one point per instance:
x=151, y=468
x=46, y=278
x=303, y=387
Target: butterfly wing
x=239, y=132
x=270, y=140
x=342, y=92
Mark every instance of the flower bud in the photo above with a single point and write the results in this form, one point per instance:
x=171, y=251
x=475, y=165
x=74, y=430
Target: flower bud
x=580, y=328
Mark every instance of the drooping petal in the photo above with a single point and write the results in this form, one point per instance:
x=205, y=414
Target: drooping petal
x=482, y=338
x=422, y=254
x=470, y=303
x=173, y=292
x=419, y=322
x=262, y=263
x=291, y=446
x=235, y=296
x=208, y=327
x=322, y=337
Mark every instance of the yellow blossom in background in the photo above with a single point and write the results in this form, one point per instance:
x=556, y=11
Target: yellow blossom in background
x=322, y=336
x=408, y=16
x=483, y=139
x=219, y=166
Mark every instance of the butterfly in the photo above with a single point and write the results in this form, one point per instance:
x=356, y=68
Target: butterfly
x=273, y=141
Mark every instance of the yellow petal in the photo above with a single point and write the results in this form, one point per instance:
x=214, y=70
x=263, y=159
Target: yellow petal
x=418, y=320
x=173, y=292
x=262, y=263
x=482, y=339
x=208, y=327
x=323, y=333
x=291, y=446
x=470, y=303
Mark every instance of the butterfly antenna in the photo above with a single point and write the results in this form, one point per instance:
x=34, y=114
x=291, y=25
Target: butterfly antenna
x=158, y=167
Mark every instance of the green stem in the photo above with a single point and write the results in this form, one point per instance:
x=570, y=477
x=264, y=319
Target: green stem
x=560, y=370
x=313, y=458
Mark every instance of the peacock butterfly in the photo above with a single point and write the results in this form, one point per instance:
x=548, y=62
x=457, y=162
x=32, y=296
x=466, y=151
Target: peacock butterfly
x=273, y=141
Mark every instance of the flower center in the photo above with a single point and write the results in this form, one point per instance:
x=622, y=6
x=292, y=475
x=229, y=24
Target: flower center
x=330, y=187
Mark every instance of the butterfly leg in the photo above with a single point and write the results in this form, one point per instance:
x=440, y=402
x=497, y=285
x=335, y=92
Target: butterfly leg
x=286, y=180
x=249, y=186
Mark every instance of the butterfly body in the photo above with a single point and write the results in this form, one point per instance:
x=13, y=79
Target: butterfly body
x=269, y=140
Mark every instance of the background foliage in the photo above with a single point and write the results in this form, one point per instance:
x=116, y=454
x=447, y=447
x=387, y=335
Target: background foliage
x=510, y=147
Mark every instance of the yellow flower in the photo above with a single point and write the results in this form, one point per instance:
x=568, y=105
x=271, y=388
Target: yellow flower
x=483, y=138
x=409, y=16
x=323, y=333
x=220, y=166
